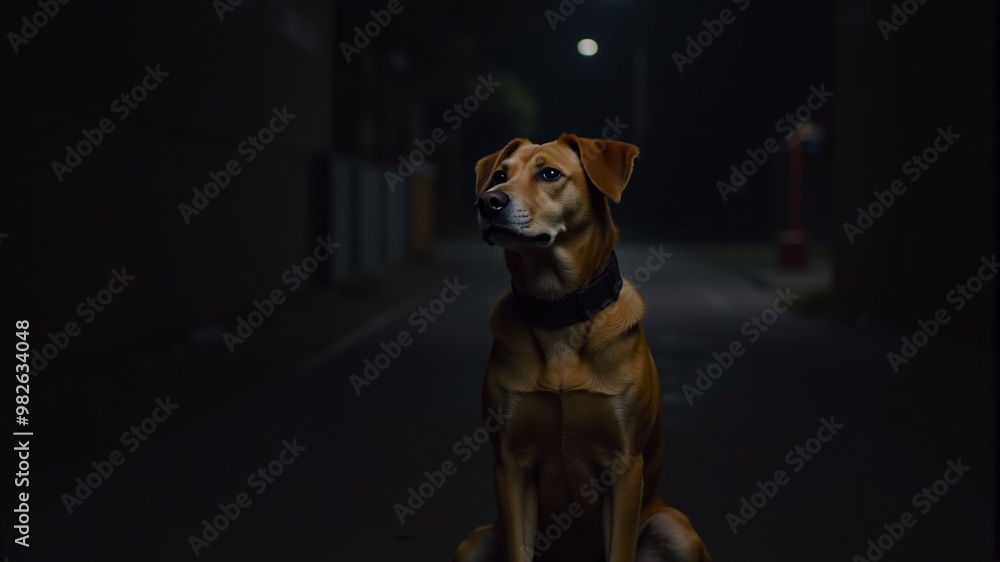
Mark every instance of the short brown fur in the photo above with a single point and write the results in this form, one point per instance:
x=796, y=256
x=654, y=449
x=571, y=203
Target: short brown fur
x=583, y=399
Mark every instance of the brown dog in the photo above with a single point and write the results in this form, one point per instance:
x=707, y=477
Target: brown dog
x=578, y=460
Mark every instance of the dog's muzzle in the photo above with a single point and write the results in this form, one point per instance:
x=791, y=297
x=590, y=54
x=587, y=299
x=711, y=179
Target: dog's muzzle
x=497, y=226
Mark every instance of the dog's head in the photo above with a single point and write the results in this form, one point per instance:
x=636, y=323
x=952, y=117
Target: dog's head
x=533, y=195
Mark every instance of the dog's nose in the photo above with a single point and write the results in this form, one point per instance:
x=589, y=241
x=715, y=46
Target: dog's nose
x=491, y=203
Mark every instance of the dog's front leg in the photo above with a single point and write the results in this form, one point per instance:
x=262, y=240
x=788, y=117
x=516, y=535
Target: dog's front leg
x=621, y=513
x=517, y=496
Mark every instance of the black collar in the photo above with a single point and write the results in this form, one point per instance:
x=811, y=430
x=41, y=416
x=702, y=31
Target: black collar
x=577, y=306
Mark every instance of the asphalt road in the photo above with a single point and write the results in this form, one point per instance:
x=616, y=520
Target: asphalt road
x=333, y=497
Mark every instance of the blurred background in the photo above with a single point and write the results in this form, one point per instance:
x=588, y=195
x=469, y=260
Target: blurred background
x=307, y=167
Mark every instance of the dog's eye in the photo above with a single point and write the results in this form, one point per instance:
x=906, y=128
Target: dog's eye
x=551, y=174
x=499, y=176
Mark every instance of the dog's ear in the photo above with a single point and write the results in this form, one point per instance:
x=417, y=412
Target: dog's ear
x=483, y=170
x=607, y=163
x=486, y=164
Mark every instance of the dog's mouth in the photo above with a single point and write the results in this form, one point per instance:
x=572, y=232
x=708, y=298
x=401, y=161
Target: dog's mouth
x=506, y=236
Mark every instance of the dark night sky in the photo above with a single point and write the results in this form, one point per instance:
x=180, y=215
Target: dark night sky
x=696, y=123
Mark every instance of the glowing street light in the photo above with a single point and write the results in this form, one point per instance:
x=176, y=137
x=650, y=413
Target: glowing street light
x=587, y=47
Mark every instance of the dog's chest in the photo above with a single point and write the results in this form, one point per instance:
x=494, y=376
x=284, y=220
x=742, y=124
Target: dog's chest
x=572, y=433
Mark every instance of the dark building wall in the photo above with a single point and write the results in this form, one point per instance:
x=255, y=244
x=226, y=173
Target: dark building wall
x=266, y=54
x=893, y=96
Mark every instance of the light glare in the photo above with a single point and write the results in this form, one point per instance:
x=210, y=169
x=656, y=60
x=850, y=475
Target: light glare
x=587, y=47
